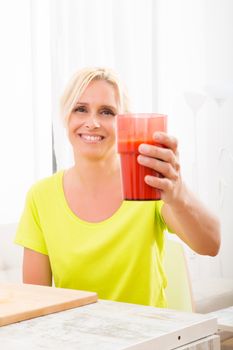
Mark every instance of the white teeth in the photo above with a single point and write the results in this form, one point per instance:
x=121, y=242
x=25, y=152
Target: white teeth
x=91, y=137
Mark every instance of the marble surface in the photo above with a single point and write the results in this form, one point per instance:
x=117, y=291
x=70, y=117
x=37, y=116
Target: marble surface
x=108, y=325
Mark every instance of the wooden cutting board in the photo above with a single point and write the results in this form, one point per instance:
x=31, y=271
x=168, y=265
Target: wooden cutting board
x=20, y=302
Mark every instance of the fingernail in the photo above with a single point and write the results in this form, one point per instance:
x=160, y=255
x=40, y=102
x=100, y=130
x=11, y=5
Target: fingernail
x=143, y=148
x=157, y=136
x=141, y=159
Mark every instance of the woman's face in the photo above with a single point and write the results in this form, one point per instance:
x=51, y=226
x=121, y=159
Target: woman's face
x=91, y=126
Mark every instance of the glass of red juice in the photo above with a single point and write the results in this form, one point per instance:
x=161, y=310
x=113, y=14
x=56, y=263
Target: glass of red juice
x=132, y=129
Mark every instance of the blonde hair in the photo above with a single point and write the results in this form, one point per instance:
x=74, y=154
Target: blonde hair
x=81, y=80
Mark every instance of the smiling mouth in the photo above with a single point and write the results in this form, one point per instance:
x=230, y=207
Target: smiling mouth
x=91, y=138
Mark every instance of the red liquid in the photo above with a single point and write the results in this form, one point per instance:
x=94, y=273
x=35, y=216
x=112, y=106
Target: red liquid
x=133, y=174
x=132, y=130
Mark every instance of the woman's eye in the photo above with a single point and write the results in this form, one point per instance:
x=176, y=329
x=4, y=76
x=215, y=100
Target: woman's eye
x=80, y=109
x=107, y=112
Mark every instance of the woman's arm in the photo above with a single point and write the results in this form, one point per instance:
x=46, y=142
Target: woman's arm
x=193, y=223
x=183, y=213
x=36, y=268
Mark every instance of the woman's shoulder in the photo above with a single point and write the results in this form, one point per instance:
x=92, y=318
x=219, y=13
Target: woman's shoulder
x=46, y=184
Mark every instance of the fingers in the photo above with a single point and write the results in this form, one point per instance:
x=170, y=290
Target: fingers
x=161, y=184
x=164, y=154
x=162, y=157
x=166, y=140
x=164, y=168
x=166, y=151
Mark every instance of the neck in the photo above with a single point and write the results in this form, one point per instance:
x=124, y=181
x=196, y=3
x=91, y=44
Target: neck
x=94, y=176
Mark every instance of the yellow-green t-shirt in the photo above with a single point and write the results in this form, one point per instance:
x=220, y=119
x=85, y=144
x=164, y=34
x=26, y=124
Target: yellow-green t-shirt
x=119, y=258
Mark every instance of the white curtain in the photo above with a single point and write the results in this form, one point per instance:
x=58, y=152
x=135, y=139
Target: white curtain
x=25, y=120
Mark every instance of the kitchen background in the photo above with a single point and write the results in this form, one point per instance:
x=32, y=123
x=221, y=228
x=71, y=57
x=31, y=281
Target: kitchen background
x=175, y=57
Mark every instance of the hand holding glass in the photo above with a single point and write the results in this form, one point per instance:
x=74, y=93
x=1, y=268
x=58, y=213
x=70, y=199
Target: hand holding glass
x=131, y=131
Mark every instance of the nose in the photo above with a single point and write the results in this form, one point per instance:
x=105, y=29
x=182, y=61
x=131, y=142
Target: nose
x=92, y=123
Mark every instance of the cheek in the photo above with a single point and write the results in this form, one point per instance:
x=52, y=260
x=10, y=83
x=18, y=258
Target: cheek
x=73, y=125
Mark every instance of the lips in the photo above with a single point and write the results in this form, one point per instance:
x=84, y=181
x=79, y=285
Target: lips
x=91, y=138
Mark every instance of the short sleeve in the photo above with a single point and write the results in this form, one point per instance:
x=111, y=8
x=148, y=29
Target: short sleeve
x=158, y=205
x=29, y=233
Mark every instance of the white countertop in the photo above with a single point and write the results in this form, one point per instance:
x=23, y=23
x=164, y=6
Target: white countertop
x=224, y=318
x=108, y=325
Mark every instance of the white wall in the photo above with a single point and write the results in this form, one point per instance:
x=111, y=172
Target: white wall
x=195, y=48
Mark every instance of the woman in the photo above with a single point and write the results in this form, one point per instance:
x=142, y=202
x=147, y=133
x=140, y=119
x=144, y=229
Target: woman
x=77, y=230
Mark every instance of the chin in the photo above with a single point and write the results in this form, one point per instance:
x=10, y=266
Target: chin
x=92, y=156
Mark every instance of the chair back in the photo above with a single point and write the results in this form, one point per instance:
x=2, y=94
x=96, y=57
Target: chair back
x=178, y=291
